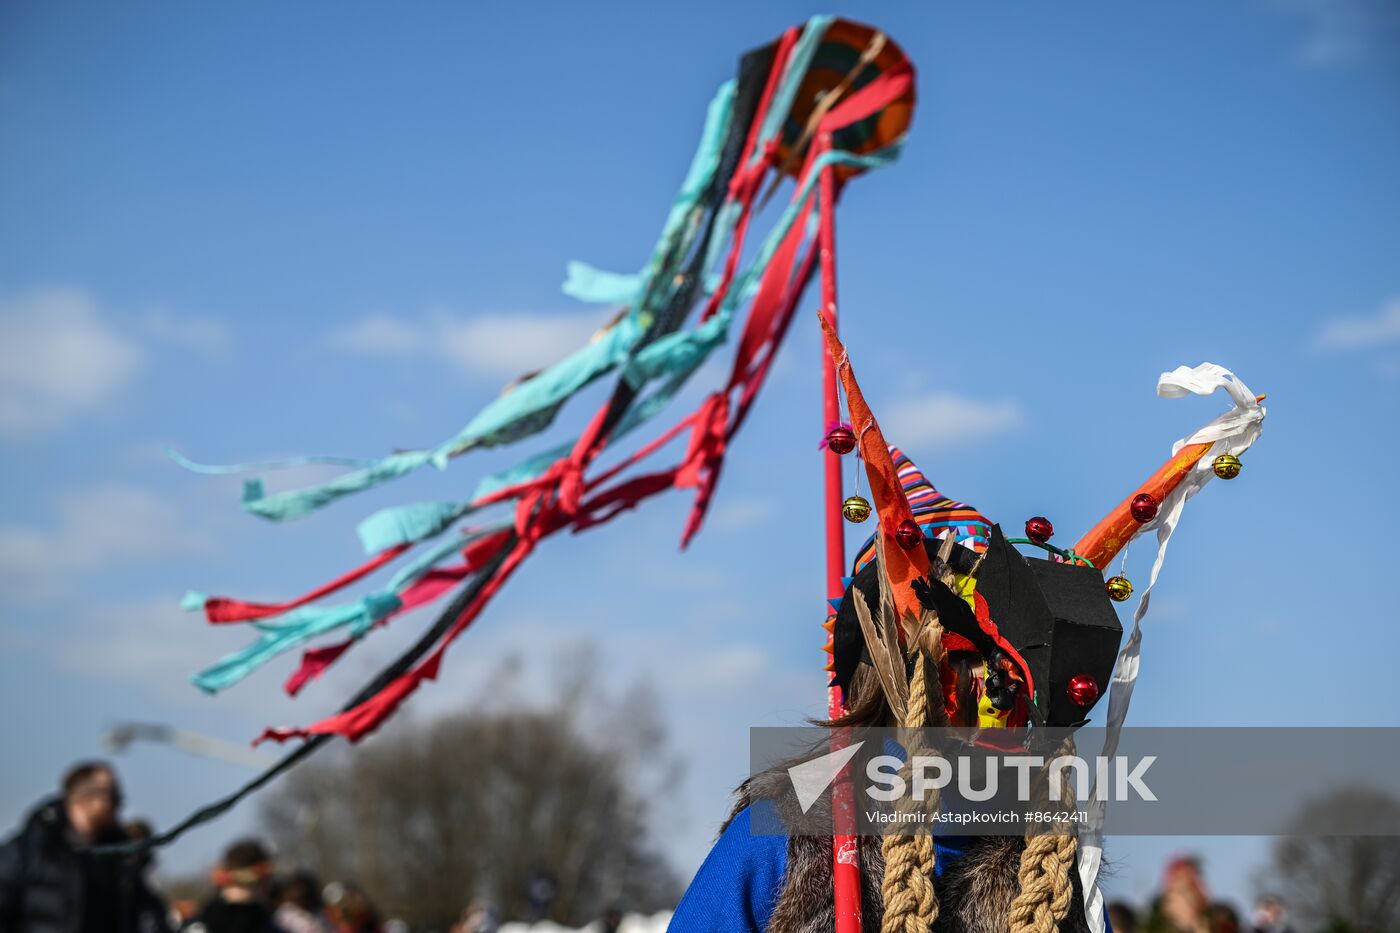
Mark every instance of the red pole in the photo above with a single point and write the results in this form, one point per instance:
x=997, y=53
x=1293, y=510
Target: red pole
x=845, y=852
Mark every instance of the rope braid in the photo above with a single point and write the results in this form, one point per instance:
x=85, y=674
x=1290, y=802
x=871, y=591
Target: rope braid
x=911, y=906
x=1046, y=862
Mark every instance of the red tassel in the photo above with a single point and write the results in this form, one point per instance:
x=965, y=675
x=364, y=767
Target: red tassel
x=481, y=550
x=357, y=722
x=556, y=498
x=313, y=664
x=622, y=497
x=424, y=590
x=221, y=609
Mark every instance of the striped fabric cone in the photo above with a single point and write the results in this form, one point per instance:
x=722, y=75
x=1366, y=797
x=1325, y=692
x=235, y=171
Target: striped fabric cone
x=934, y=512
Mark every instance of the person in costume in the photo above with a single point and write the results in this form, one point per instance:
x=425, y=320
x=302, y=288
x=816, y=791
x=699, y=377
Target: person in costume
x=945, y=622
x=1021, y=619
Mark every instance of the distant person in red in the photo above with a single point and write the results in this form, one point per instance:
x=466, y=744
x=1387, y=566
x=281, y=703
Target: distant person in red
x=1184, y=905
x=241, y=904
x=51, y=881
x=351, y=910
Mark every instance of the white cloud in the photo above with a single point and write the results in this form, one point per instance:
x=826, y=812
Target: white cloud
x=728, y=669
x=381, y=335
x=945, y=416
x=1346, y=333
x=1341, y=32
x=155, y=645
x=207, y=336
x=58, y=359
x=142, y=641
x=95, y=528
x=513, y=343
x=742, y=514
x=495, y=343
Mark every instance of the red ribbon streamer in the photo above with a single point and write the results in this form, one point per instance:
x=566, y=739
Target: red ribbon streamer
x=221, y=609
x=561, y=496
x=424, y=590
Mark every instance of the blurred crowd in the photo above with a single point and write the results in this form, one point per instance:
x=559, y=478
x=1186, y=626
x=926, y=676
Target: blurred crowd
x=1184, y=905
x=51, y=881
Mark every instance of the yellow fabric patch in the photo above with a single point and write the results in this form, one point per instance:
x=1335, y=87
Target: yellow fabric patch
x=988, y=716
x=965, y=585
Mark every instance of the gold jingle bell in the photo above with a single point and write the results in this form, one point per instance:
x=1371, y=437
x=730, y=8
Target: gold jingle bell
x=1119, y=588
x=1227, y=466
x=856, y=509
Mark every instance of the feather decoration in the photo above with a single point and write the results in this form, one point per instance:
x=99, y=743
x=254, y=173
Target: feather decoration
x=930, y=635
x=885, y=654
x=945, y=551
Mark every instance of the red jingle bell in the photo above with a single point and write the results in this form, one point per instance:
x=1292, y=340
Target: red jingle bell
x=841, y=439
x=1083, y=690
x=908, y=534
x=1143, y=508
x=1039, y=529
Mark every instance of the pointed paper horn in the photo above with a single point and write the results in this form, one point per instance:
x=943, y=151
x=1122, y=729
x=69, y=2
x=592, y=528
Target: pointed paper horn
x=1237, y=428
x=902, y=566
x=1108, y=537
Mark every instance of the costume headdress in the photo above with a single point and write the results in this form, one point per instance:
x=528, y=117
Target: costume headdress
x=1043, y=625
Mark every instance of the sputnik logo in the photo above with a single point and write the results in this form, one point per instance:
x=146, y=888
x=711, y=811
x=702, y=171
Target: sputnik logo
x=811, y=778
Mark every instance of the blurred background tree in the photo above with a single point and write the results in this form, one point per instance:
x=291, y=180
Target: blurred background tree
x=1342, y=883
x=540, y=808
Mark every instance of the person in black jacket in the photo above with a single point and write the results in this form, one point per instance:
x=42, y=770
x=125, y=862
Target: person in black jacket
x=51, y=881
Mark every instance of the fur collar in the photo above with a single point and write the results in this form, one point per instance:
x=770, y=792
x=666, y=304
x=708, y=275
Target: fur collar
x=975, y=891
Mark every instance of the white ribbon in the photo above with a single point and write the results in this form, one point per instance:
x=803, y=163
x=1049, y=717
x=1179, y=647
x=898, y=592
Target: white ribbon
x=1231, y=433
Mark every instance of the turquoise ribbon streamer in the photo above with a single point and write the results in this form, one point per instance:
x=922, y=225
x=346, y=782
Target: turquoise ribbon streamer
x=222, y=469
x=300, y=626
x=407, y=524
x=596, y=287
x=295, y=503
x=680, y=353
x=798, y=63
x=682, y=221
x=677, y=355
x=526, y=469
x=296, y=628
x=530, y=406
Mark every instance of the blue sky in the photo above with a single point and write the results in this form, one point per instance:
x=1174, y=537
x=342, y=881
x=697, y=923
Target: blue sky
x=253, y=230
